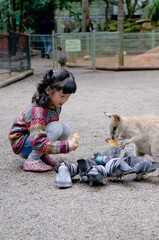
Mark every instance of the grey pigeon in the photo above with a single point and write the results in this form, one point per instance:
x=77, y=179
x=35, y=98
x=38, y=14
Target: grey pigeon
x=63, y=177
x=141, y=165
x=103, y=158
x=73, y=169
x=84, y=165
x=117, y=167
x=62, y=57
x=65, y=172
x=97, y=174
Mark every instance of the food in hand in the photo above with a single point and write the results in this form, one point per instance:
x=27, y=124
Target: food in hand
x=75, y=138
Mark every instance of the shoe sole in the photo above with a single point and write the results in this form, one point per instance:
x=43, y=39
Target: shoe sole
x=63, y=184
x=37, y=170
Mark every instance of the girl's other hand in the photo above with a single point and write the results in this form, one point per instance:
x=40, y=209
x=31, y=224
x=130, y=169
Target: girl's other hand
x=72, y=146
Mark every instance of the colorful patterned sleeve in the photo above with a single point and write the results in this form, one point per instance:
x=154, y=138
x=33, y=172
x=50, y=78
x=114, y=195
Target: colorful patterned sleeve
x=38, y=135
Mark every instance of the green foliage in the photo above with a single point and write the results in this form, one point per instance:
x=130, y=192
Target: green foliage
x=151, y=11
x=33, y=12
x=113, y=26
x=129, y=26
x=5, y=12
x=133, y=28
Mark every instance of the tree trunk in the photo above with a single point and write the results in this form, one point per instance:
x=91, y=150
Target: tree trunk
x=21, y=16
x=106, y=15
x=120, y=15
x=121, y=31
x=85, y=15
x=131, y=7
x=13, y=21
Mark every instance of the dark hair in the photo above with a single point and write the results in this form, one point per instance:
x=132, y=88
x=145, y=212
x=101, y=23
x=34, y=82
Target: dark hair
x=57, y=79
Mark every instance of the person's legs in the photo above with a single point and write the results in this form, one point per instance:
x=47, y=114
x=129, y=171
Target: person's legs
x=66, y=131
x=37, y=165
x=55, y=131
x=27, y=149
x=49, y=46
x=45, y=44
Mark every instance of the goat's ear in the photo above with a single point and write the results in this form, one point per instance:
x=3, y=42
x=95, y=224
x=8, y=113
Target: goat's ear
x=108, y=114
x=116, y=117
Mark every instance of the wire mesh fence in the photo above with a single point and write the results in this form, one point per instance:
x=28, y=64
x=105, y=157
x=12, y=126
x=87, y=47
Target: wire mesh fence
x=14, y=52
x=99, y=49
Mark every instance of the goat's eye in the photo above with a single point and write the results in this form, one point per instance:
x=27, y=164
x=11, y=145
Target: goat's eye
x=114, y=129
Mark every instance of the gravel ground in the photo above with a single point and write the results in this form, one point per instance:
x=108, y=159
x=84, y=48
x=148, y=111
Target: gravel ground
x=32, y=207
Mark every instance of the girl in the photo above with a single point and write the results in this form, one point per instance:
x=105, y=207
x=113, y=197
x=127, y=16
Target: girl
x=37, y=132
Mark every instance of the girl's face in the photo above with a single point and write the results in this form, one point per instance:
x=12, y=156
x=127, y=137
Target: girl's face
x=57, y=98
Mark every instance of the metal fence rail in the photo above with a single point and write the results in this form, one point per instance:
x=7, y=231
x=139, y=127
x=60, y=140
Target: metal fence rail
x=135, y=43
x=102, y=49
x=14, y=52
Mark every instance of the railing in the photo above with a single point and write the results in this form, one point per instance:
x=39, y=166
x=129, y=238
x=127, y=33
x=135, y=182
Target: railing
x=101, y=49
x=14, y=52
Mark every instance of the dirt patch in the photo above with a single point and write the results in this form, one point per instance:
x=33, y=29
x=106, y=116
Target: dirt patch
x=143, y=60
x=147, y=59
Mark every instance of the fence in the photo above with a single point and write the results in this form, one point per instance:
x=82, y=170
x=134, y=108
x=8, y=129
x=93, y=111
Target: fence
x=14, y=52
x=101, y=49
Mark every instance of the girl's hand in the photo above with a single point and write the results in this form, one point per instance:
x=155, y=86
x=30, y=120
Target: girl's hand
x=72, y=146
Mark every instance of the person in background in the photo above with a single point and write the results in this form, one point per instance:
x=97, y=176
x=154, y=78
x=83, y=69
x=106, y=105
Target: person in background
x=46, y=29
x=90, y=26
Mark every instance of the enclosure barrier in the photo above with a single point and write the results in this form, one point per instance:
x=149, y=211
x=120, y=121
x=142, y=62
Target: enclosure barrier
x=100, y=50
x=14, y=52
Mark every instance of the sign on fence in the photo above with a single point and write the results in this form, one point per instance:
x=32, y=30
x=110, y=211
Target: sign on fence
x=73, y=45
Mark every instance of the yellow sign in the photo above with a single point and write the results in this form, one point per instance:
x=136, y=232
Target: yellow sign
x=73, y=45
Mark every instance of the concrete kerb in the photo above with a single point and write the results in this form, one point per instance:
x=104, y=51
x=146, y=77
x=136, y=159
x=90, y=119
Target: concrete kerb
x=17, y=78
x=120, y=68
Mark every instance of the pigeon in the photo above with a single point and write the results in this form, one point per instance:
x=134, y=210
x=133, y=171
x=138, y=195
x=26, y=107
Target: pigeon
x=62, y=57
x=63, y=178
x=65, y=172
x=141, y=165
x=72, y=168
x=117, y=167
x=112, y=152
x=97, y=174
x=84, y=166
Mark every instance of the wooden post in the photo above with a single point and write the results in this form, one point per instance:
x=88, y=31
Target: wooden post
x=121, y=48
x=53, y=49
x=93, y=50
x=153, y=38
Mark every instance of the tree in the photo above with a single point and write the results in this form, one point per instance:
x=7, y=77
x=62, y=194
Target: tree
x=121, y=30
x=106, y=14
x=22, y=15
x=131, y=7
x=134, y=5
x=151, y=11
x=13, y=19
x=85, y=15
x=120, y=15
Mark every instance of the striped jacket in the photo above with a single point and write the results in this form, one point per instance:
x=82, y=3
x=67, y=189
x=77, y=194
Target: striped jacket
x=32, y=121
